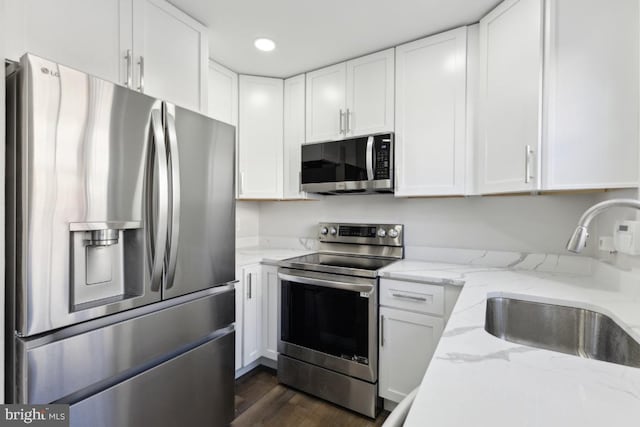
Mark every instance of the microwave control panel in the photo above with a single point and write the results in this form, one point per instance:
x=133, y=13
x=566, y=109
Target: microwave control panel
x=383, y=157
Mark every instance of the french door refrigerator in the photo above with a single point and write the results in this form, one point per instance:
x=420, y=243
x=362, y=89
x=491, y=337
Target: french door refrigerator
x=120, y=253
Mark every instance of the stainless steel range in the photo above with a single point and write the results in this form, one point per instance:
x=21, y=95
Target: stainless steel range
x=328, y=325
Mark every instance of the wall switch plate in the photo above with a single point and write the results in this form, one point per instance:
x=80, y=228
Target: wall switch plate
x=626, y=237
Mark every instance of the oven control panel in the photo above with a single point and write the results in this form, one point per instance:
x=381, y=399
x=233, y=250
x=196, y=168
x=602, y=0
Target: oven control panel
x=368, y=234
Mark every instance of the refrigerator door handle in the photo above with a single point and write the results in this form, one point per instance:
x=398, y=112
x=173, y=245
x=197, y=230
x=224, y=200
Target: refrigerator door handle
x=174, y=230
x=159, y=242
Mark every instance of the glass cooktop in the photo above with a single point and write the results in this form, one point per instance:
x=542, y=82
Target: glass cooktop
x=338, y=264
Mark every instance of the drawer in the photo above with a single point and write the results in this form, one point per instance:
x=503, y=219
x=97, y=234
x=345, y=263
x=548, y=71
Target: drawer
x=412, y=296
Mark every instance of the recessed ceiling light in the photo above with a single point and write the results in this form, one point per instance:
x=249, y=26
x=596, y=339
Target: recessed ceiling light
x=265, y=45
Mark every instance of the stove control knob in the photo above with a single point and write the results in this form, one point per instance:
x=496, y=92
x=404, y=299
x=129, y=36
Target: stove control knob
x=324, y=231
x=382, y=232
x=393, y=233
x=333, y=231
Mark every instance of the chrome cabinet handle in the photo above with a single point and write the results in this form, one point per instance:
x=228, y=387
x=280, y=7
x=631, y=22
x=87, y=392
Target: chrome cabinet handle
x=382, y=331
x=241, y=190
x=174, y=172
x=412, y=298
x=141, y=65
x=347, y=120
x=528, y=155
x=128, y=82
x=249, y=286
x=341, y=122
x=369, y=158
x=159, y=243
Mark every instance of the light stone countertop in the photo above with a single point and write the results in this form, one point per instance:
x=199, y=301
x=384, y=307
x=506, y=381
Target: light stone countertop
x=476, y=379
x=255, y=255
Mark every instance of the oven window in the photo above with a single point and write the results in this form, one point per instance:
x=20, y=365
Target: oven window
x=332, y=321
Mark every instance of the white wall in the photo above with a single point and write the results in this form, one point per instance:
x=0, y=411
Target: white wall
x=604, y=224
x=540, y=224
x=247, y=223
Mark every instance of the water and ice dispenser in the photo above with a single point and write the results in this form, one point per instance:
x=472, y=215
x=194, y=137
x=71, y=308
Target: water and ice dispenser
x=106, y=262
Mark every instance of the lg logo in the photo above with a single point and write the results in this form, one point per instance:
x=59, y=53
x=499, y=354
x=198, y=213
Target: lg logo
x=49, y=72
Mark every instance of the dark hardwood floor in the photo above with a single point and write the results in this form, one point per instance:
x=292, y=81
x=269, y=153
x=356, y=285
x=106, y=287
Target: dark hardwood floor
x=261, y=401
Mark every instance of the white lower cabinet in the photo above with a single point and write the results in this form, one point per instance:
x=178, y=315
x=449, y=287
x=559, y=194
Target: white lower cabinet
x=252, y=314
x=270, y=309
x=239, y=317
x=407, y=343
x=411, y=320
x=257, y=307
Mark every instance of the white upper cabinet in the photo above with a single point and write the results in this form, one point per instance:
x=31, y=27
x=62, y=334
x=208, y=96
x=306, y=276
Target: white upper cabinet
x=369, y=107
x=351, y=98
x=510, y=98
x=326, y=103
x=260, y=143
x=170, y=54
x=559, y=108
x=591, y=95
x=222, y=95
x=147, y=45
x=431, y=115
x=294, y=125
x=92, y=36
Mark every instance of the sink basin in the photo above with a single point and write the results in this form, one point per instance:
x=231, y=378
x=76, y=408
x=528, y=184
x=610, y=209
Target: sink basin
x=569, y=330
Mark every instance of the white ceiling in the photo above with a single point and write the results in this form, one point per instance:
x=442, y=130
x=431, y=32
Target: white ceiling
x=312, y=34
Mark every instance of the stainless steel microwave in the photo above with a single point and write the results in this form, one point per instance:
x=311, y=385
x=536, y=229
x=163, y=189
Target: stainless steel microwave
x=356, y=165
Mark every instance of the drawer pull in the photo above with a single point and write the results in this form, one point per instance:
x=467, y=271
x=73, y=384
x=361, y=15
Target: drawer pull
x=409, y=297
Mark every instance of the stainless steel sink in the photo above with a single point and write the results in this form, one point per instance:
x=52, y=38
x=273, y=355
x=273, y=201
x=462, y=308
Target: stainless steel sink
x=569, y=330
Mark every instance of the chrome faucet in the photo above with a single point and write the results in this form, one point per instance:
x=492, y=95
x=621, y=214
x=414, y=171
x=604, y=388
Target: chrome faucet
x=578, y=239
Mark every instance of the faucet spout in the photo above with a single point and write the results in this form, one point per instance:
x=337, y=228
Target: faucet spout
x=578, y=239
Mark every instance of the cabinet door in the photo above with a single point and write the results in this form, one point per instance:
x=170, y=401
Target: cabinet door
x=222, y=94
x=92, y=36
x=591, y=91
x=326, y=103
x=170, y=54
x=239, y=317
x=270, y=310
x=407, y=343
x=294, y=137
x=510, y=97
x=252, y=329
x=431, y=112
x=370, y=89
x=260, y=138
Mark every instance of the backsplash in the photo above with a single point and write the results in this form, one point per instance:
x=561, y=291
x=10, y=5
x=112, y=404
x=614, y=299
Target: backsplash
x=487, y=229
x=540, y=224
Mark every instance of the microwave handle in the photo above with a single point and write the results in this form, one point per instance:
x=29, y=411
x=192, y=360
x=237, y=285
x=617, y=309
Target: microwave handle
x=370, y=147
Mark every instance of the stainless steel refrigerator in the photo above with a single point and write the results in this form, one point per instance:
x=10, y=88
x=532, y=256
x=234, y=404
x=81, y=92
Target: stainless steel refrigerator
x=120, y=252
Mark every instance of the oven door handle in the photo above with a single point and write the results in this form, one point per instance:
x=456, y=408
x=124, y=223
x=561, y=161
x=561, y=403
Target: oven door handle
x=327, y=283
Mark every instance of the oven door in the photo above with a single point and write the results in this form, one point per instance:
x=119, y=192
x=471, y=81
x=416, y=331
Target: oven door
x=330, y=320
